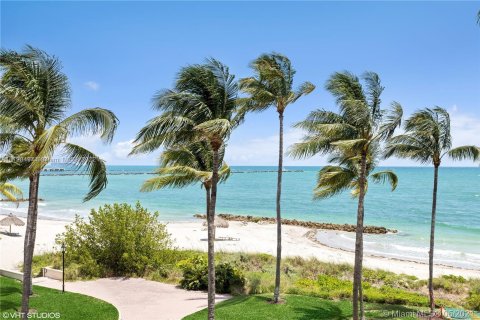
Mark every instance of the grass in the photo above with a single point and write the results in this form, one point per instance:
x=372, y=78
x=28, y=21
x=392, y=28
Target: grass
x=296, y=307
x=69, y=306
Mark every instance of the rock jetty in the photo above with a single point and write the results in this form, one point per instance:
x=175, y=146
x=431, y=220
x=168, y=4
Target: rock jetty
x=300, y=223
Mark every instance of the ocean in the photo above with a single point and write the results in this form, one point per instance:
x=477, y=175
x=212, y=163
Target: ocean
x=251, y=191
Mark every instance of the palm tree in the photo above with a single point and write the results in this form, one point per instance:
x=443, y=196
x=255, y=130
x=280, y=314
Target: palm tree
x=10, y=191
x=353, y=136
x=272, y=86
x=427, y=139
x=186, y=165
x=34, y=98
x=201, y=107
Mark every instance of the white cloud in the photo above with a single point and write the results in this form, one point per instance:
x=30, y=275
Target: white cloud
x=264, y=151
x=92, y=85
x=465, y=129
x=122, y=149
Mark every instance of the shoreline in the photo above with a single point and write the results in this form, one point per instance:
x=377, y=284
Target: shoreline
x=253, y=238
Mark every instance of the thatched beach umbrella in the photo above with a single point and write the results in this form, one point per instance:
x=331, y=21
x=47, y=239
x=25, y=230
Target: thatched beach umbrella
x=219, y=223
x=11, y=219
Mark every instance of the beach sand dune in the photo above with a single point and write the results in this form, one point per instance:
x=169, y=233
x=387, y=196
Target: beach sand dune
x=250, y=237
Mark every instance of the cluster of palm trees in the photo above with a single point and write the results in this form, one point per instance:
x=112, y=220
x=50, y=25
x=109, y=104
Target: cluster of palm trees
x=197, y=117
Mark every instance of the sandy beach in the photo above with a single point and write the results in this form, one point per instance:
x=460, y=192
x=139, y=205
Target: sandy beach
x=252, y=237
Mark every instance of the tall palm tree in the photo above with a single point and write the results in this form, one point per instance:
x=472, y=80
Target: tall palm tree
x=201, y=107
x=10, y=191
x=34, y=99
x=272, y=86
x=186, y=165
x=427, y=139
x=353, y=136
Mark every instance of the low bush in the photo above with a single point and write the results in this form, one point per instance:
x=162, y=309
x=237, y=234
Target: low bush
x=116, y=240
x=450, y=284
x=228, y=279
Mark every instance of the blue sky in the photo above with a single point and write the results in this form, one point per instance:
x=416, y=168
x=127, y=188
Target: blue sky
x=118, y=54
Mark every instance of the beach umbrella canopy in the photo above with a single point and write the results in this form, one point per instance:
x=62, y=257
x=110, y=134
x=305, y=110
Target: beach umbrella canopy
x=11, y=219
x=219, y=223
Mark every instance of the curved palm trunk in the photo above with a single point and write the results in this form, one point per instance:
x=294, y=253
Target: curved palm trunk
x=211, y=236
x=29, y=243
x=357, y=269
x=276, y=293
x=432, y=240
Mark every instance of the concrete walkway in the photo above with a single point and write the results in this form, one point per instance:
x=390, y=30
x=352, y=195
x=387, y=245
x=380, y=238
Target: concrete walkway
x=138, y=298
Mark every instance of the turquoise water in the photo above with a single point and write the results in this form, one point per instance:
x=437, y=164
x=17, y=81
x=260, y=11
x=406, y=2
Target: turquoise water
x=249, y=191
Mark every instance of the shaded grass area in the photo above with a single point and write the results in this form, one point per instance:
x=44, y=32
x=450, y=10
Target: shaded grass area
x=296, y=307
x=69, y=306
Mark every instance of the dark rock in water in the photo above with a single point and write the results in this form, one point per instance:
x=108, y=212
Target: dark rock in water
x=306, y=224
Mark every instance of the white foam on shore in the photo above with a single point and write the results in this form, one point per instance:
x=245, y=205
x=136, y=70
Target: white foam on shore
x=388, y=245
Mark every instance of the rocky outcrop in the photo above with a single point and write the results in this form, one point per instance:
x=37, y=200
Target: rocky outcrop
x=300, y=223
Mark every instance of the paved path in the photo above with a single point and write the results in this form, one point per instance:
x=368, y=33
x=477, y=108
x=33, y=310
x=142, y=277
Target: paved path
x=138, y=299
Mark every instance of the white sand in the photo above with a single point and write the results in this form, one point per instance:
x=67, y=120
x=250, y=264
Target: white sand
x=253, y=238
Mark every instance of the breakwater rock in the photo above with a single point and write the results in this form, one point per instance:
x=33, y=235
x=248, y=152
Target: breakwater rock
x=307, y=224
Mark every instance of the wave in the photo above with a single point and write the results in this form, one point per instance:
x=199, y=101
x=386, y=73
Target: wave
x=393, y=246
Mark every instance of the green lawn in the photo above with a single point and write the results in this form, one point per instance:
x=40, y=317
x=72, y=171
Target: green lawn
x=296, y=308
x=70, y=306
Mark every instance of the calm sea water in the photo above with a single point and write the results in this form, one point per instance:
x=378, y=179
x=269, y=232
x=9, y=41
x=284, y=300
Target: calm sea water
x=249, y=191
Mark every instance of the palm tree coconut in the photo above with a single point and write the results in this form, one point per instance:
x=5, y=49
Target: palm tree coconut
x=353, y=136
x=34, y=99
x=272, y=86
x=201, y=107
x=427, y=139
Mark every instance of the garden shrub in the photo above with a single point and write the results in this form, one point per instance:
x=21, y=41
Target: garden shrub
x=228, y=279
x=116, y=240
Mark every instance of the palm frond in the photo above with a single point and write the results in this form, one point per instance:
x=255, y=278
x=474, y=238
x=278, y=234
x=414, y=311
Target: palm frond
x=464, y=153
x=10, y=191
x=384, y=176
x=333, y=180
x=90, y=163
x=92, y=122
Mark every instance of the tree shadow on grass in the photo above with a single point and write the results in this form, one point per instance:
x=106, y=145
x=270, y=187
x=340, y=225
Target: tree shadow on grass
x=9, y=303
x=330, y=312
x=8, y=290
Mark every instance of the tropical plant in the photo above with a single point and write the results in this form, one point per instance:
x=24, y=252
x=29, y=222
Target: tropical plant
x=10, y=191
x=116, y=239
x=34, y=99
x=427, y=139
x=353, y=137
x=185, y=165
x=202, y=107
x=272, y=86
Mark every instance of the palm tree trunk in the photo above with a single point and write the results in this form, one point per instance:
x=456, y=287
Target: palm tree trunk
x=432, y=240
x=211, y=236
x=29, y=243
x=357, y=269
x=276, y=293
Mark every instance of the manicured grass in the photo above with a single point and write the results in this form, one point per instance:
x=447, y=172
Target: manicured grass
x=70, y=306
x=297, y=307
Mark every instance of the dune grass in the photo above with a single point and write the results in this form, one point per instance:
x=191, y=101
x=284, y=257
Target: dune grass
x=296, y=307
x=69, y=306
